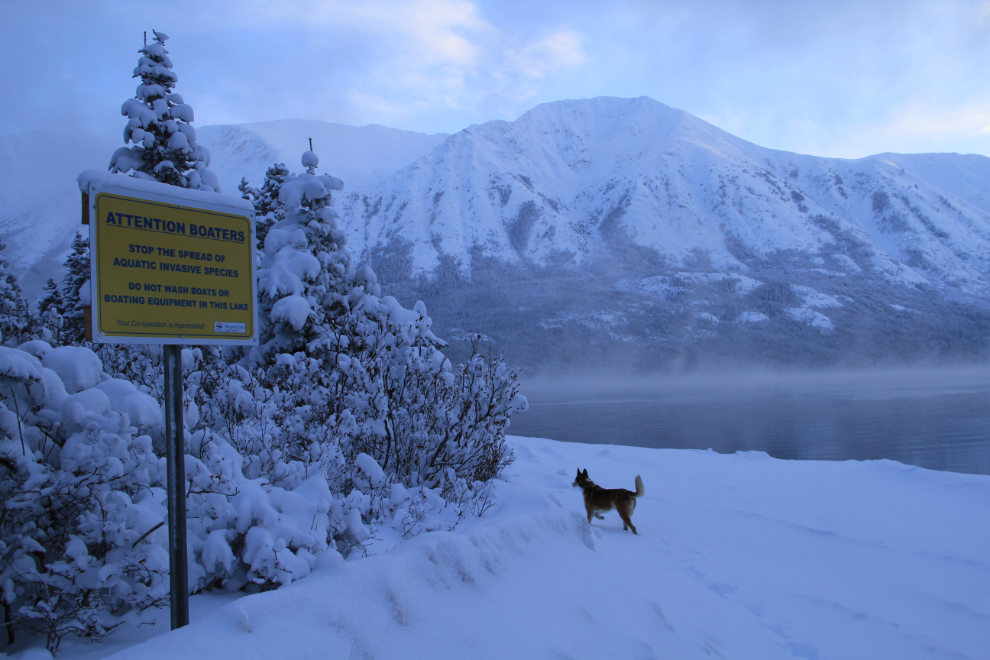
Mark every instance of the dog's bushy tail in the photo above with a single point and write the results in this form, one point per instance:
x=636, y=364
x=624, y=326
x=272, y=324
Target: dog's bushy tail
x=639, y=487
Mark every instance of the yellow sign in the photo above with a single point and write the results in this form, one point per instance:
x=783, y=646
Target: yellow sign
x=171, y=272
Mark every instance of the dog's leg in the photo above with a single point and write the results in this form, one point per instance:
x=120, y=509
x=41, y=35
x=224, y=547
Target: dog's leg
x=599, y=516
x=626, y=521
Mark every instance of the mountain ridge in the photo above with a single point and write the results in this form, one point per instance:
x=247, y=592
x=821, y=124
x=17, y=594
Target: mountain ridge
x=572, y=195
x=365, y=154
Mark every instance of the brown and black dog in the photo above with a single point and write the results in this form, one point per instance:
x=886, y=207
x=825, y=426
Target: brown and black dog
x=597, y=499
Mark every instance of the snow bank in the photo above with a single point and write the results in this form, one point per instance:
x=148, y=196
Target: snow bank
x=17, y=366
x=293, y=309
x=738, y=556
x=141, y=408
x=79, y=368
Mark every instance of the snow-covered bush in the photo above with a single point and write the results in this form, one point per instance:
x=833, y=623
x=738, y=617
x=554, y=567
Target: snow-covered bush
x=81, y=487
x=412, y=412
x=160, y=128
x=83, y=546
x=426, y=422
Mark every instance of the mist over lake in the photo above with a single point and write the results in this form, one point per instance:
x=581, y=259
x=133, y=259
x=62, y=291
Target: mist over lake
x=931, y=417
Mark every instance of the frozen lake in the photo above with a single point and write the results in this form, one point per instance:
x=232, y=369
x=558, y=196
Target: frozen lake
x=936, y=418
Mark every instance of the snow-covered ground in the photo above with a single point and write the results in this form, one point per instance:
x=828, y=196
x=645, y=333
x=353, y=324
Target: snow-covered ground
x=738, y=556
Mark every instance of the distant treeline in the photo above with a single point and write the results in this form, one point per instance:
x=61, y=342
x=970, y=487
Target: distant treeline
x=559, y=316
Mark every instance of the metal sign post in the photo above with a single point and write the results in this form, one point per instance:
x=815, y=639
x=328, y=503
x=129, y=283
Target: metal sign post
x=176, y=459
x=172, y=267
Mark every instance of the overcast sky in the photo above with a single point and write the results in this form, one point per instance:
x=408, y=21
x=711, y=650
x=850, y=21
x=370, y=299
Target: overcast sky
x=836, y=78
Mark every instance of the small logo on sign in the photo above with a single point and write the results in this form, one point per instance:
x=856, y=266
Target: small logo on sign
x=221, y=326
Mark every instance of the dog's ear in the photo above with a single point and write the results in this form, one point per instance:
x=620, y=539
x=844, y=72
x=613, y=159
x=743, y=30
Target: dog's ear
x=586, y=472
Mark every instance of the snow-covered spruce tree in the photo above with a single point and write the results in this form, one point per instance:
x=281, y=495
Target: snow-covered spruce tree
x=160, y=128
x=16, y=322
x=285, y=413
x=268, y=209
x=306, y=276
x=82, y=547
x=307, y=287
x=75, y=291
x=50, y=308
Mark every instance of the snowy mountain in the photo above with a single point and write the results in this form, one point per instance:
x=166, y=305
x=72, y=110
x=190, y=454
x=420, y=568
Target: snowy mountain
x=610, y=229
x=581, y=180
x=629, y=225
x=40, y=207
x=361, y=156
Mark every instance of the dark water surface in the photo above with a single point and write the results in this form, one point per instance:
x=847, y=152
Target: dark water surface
x=932, y=418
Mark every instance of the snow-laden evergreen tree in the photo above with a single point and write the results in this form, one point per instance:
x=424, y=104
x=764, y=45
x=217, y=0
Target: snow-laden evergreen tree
x=268, y=210
x=50, y=309
x=75, y=291
x=160, y=128
x=248, y=191
x=306, y=275
x=16, y=323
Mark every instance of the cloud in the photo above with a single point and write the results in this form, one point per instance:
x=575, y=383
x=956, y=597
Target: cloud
x=426, y=33
x=561, y=50
x=824, y=78
x=409, y=62
x=940, y=125
x=832, y=78
x=431, y=65
x=373, y=105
